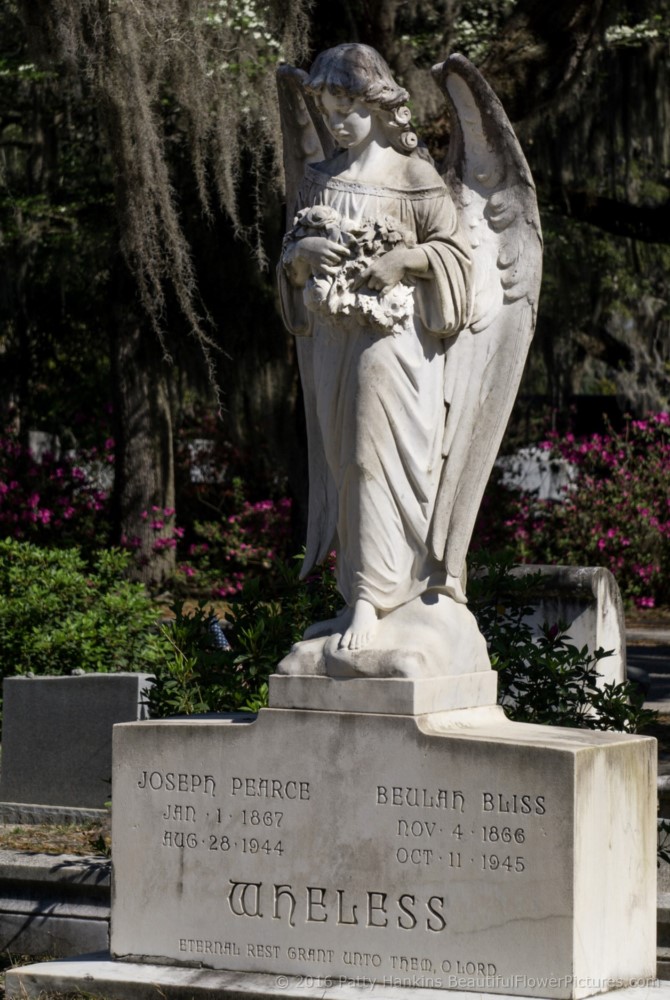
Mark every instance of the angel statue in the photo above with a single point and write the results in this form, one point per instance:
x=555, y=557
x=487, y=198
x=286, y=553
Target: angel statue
x=412, y=295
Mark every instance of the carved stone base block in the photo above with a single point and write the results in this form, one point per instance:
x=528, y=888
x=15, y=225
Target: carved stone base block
x=477, y=855
x=389, y=696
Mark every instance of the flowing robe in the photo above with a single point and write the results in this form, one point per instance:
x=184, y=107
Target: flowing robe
x=380, y=397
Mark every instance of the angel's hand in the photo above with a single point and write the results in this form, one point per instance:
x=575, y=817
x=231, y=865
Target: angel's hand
x=387, y=271
x=320, y=254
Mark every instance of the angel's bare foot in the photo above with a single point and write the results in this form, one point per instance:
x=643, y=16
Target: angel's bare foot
x=454, y=589
x=362, y=627
x=329, y=625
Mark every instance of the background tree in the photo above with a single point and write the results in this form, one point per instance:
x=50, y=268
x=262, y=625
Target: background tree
x=56, y=231
x=141, y=166
x=185, y=99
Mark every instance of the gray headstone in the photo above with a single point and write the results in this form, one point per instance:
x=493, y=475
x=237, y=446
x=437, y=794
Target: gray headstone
x=57, y=736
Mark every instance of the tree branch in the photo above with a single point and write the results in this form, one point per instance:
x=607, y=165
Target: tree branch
x=648, y=223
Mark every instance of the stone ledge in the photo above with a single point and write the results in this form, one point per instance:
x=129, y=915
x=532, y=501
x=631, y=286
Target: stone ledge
x=647, y=636
x=26, y=866
x=29, y=814
x=100, y=977
x=53, y=904
x=385, y=696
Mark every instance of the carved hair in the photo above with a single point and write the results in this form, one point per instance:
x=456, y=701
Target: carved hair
x=360, y=72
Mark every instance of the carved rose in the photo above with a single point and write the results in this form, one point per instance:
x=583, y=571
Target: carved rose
x=317, y=217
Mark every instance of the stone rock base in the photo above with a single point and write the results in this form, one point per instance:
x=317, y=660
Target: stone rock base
x=431, y=636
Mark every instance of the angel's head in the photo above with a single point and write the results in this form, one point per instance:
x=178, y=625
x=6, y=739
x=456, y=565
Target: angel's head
x=357, y=74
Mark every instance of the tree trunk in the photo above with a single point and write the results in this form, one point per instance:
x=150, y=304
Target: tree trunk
x=144, y=489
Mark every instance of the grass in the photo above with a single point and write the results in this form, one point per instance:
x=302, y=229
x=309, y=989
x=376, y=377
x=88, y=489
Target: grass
x=648, y=617
x=80, y=839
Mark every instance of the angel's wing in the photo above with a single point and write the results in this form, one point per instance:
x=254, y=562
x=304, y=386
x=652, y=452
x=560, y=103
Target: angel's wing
x=306, y=140
x=305, y=137
x=493, y=191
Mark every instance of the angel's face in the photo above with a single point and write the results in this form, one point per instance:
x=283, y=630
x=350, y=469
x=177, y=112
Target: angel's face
x=349, y=121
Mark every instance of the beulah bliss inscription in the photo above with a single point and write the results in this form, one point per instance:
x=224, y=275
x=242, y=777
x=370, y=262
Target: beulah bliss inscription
x=431, y=838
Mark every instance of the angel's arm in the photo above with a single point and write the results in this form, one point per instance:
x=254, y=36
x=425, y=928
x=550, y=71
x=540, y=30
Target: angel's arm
x=444, y=301
x=442, y=257
x=391, y=268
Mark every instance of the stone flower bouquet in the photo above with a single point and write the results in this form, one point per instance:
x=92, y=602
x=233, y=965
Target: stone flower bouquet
x=332, y=295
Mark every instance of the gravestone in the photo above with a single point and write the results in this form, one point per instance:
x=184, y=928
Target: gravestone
x=454, y=850
x=57, y=738
x=309, y=849
x=587, y=600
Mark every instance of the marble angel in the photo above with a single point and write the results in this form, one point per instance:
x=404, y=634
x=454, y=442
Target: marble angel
x=412, y=295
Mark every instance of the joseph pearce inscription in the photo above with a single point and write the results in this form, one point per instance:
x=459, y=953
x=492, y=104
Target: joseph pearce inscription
x=472, y=842
x=416, y=841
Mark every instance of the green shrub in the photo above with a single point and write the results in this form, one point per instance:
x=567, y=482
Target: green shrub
x=263, y=623
x=546, y=680
x=59, y=614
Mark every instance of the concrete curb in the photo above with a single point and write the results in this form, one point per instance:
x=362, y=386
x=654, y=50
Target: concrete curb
x=647, y=636
x=129, y=981
x=33, y=814
x=53, y=904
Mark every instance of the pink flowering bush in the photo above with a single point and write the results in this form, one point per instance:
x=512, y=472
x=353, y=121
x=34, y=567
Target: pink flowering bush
x=616, y=512
x=246, y=542
x=52, y=501
x=162, y=527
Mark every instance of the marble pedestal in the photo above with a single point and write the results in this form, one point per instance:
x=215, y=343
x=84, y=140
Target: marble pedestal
x=457, y=848
x=374, y=853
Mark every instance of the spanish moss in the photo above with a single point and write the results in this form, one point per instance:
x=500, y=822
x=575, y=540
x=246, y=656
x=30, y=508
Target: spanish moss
x=198, y=74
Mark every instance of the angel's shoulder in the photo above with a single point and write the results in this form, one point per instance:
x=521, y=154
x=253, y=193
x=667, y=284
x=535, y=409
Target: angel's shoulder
x=421, y=173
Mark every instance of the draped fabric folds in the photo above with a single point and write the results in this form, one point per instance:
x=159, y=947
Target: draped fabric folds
x=379, y=398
